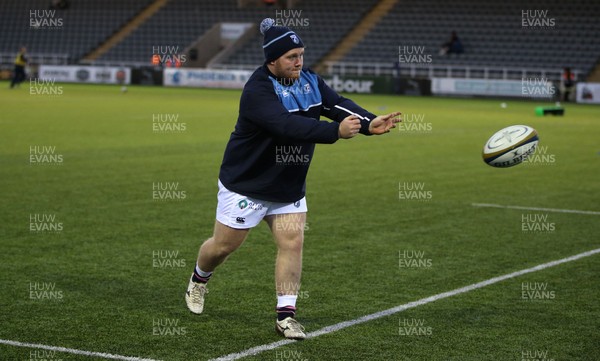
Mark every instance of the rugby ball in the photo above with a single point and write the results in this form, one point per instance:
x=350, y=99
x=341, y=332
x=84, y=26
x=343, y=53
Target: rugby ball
x=510, y=146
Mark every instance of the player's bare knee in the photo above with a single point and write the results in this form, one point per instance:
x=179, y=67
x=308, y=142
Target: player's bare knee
x=226, y=249
x=291, y=245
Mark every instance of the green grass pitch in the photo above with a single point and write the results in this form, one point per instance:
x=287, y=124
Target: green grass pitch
x=92, y=261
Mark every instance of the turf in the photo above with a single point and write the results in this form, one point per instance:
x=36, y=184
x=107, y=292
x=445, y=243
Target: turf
x=112, y=291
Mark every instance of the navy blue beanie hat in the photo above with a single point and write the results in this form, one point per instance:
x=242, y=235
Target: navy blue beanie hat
x=278, y=39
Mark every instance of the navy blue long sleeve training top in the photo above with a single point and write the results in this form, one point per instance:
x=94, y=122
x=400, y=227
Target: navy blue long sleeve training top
x=270, y=150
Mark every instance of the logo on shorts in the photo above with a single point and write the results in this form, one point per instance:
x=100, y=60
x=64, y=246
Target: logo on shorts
x=240, y=220
x=255, y=206
x=297, y=204
x=243, y=204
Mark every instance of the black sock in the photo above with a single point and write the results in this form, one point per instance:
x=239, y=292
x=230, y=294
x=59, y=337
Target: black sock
x=199, y=279
x=285, y=312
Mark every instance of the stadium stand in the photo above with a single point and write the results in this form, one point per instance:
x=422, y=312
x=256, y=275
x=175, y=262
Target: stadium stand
x=179, y=23
x=487, y=38
x=84, y=25
x=327, y=24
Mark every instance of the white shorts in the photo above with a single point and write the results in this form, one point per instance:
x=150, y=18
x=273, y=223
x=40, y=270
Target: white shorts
x=241, y=212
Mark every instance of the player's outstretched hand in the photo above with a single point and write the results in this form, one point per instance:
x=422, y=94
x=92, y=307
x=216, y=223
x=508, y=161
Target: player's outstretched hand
x=349, y=127
x=383, y=123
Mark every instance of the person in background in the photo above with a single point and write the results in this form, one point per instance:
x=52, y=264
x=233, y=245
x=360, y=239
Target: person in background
x=452, y=46
x=19, y=72
x=567, y=83
x=59, y=5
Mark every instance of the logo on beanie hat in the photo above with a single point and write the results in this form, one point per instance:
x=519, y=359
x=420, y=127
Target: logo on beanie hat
x=276, y=40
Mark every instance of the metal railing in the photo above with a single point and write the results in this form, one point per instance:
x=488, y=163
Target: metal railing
x=427, y=70
x=117, y=63
x=36, y=58
x=442, y=71
x=234, y=66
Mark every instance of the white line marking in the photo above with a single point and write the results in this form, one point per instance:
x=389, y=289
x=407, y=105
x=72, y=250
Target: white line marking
x=489, y=205
x=352, y=113
x=406, y=306
x=73, y=351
